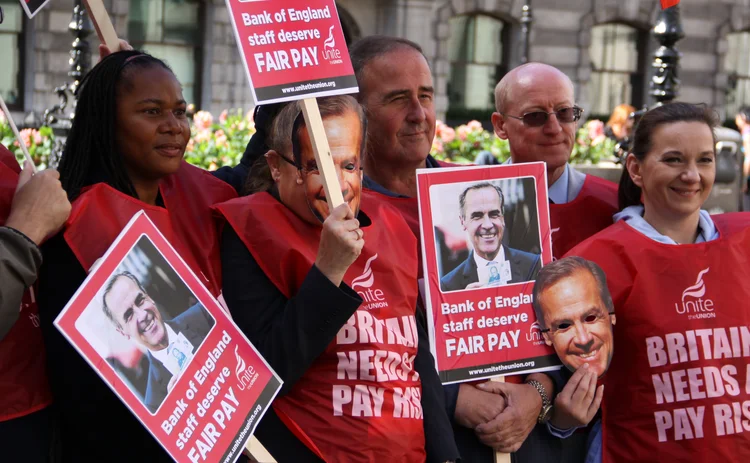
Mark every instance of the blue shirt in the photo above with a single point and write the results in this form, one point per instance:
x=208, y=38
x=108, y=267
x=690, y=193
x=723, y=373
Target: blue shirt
x=371, y=184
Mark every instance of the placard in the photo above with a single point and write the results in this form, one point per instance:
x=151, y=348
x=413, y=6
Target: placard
x=32, y=7
x=485, y=235
x=168, y=349
x=292, y=49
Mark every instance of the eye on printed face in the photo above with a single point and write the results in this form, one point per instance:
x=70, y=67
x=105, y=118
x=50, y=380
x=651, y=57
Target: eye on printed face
x=580, y=327
x=344, y=139
x=137, y=314
x=483, y=221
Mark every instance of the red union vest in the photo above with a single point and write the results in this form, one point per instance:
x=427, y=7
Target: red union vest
x=186, y=221
x=361, y=400
x=589, y=213
x=677, y=387
x=23, y=372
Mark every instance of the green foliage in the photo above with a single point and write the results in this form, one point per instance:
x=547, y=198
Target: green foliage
x=213, y=145
x=38, y=142
x=462, y=144
x=592, y=146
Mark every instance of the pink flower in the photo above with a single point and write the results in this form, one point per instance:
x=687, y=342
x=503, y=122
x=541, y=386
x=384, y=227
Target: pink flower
x=447, y=134
x=190, y=146
x=30, y=136
x=202, y=135
x=598, y=139
x=2, y=118
x=223, y=117
x=221, y=138
x=203, y=120
x=463, y=132
x=437, y=146
x=595, y=128
x=475, y=126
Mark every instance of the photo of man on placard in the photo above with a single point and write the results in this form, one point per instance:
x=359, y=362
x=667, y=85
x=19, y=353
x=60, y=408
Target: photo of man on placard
x=489, y=262
x=148, y=343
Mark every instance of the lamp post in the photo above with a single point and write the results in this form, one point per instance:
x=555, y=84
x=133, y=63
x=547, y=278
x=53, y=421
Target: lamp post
x=526, y=20
x=665, y=85
x=60, y=116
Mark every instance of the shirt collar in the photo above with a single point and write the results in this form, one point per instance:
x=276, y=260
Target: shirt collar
x=633, y=216
x=162, y=355
x=371, y=184
x=482, y=262
x=558, y=191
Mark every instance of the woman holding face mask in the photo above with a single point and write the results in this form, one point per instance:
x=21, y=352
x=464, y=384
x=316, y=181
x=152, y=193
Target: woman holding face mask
x=124, y=154
x=678, y=278
x=332, y=304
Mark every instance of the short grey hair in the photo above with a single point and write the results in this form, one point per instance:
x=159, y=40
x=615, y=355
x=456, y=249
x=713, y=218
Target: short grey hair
x=371, y=47
x=479, y=186
x=108, y=288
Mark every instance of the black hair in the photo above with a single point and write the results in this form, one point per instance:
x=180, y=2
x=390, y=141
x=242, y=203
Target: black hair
x=629, y=194
x=91, y=153
x=564, y=268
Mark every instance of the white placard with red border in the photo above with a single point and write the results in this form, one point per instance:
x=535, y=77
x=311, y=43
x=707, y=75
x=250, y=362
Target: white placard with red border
x=489, y=329
x=292, y=49
x=223, y=386
x=32, y=7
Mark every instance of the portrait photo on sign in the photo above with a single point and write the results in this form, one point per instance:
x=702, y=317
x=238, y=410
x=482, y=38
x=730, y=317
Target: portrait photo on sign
x=575, y=313
x=146, y=324
x=486, y=233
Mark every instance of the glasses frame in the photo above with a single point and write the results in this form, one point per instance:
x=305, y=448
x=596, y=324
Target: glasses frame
x=577, y=113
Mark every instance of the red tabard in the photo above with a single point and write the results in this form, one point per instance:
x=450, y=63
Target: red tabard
x=23, y=372
x=589, y=213
x=677, y=388
x=186, y=221
x=361, y=399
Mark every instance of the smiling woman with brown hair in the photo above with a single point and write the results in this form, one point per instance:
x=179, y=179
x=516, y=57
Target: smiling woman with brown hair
x=124, y=154
x=678, y=279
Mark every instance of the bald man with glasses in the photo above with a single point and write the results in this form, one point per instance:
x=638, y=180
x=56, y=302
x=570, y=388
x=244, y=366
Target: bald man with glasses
x=537, y=114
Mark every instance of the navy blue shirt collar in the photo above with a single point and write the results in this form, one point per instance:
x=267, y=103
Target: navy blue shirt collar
x=371, y=184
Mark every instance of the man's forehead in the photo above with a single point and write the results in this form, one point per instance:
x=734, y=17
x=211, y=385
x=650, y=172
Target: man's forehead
x=482, y=196
x=577, y=293
x=395, y=70
x=123, y=290
x=539, y=91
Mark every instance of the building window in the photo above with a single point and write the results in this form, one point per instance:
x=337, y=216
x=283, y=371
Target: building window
x=11, y=55
x=737, y=65
x=477, y=53
x=171, y=30
x=617, y=76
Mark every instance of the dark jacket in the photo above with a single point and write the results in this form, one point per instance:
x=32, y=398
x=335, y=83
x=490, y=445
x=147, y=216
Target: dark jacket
x=20, y=259
x=194, y=323
x=523, y=267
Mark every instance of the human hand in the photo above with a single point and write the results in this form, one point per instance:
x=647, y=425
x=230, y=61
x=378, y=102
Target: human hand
x=510, y=428
x=341, y=242
x=474, y=285
x=578, y=402
x=40, y=206
x=104, y=50
x=475, y=406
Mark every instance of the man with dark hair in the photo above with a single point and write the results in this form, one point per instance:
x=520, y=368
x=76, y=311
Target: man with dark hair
x=170, y=345
x=482, y=218
x=397, y=92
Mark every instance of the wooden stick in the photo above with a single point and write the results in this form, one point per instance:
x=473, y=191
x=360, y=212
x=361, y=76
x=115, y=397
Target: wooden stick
x=17, y=134
x=499, y=456
x=314, y=124
x=258, y=452
x=103, y=24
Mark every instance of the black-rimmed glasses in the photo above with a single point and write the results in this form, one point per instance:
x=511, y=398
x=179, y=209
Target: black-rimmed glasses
x=539, y=118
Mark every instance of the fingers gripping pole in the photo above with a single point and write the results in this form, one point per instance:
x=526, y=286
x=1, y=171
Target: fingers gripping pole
x=323, y=158
x=499, y=456
x=103, y=24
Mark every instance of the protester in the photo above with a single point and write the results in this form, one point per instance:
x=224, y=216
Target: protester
x=169, y=345
x=397, y=92
x=32, y=207
x=537, y=114
x=123, y=154
x=482, y=219
x=676, y=274
x=332, y=306
x=576, y=314
x=620, y=124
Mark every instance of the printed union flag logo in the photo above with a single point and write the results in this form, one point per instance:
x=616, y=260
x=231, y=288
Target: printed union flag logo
x=668, y=3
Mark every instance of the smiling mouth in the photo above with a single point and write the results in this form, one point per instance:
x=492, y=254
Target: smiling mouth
x=685, y=193
x=487, y=236
x=590, y=356
x=149, y=327
x=170, y=150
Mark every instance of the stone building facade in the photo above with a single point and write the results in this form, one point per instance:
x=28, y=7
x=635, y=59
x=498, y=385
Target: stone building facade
x=604, y=46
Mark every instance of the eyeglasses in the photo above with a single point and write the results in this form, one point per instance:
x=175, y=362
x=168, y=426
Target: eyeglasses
x=539, y=118
x=313, y=170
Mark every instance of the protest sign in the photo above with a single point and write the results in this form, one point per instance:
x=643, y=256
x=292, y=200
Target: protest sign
x=164, y=345
x=485, y=235
x=292, y=49
x=103, y=24
x=32, y=7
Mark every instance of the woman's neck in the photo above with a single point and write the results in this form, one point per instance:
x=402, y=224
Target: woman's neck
x=147, y=191
x=682, y=229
